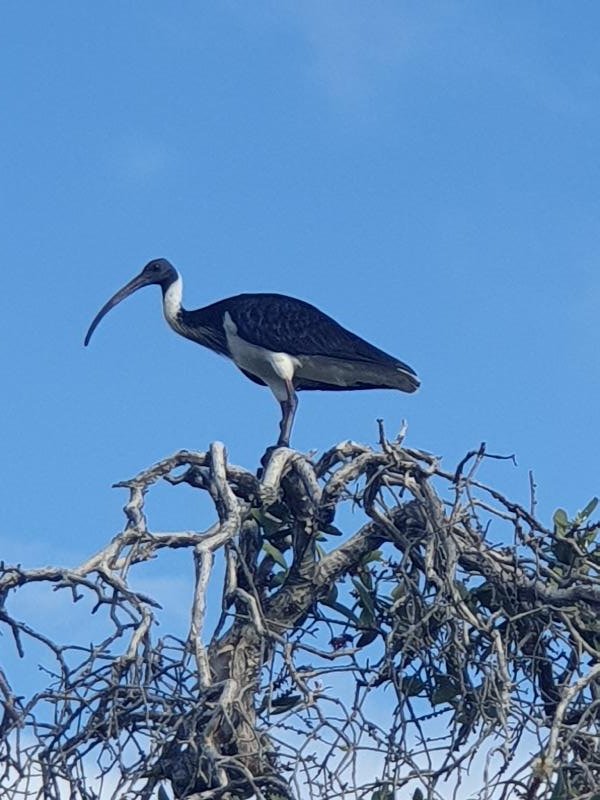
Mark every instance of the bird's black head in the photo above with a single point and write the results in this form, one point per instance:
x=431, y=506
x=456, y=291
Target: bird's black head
x=159, y=271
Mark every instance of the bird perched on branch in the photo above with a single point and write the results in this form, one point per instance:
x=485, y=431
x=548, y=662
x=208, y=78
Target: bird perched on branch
x=275, y=340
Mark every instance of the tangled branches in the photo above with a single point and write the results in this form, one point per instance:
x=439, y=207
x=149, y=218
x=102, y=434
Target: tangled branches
x=396, y=653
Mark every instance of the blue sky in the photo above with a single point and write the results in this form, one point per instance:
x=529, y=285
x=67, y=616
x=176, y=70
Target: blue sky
x=425, y=173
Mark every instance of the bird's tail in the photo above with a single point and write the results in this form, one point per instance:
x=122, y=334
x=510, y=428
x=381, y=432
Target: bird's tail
x=406, y=380
x=333, y=374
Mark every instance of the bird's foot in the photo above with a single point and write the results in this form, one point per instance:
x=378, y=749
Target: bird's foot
x=267, y=456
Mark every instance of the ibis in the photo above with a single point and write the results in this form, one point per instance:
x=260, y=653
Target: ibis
x=275, y=340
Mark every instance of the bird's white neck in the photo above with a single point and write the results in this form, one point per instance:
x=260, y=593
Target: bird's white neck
x=172, y=301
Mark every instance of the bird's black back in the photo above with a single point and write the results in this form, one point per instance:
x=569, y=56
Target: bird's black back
x=287, y=325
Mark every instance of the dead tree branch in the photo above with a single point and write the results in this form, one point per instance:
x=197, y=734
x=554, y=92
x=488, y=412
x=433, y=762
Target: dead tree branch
x=384, y=626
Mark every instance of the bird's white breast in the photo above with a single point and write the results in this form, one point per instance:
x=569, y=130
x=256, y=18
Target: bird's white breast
x=172, y=301
x=272, y=367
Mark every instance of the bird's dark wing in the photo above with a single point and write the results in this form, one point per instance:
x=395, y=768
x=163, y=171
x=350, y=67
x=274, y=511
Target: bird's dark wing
x=252, y=377
x=287, y=325
x=205, y=326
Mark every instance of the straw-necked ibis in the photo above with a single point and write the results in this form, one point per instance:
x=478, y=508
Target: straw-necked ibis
x=275, y=340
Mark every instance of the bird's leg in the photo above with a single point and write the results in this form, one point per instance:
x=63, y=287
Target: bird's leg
x=288, y=411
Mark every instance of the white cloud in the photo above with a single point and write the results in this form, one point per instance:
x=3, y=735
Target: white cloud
x=358, y=49
x=148, y=159
x=141, y=158
x=353, y=46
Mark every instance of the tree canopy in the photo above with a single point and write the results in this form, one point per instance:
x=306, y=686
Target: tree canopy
x=385, y=628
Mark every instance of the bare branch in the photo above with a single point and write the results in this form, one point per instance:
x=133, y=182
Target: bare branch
x=393, y=651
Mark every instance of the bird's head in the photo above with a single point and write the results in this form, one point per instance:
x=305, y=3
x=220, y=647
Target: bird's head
x=159, y=271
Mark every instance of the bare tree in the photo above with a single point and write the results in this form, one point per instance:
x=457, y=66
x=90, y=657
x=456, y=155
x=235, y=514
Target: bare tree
x=387, y=629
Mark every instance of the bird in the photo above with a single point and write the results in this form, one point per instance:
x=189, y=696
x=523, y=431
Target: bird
x=277, y=341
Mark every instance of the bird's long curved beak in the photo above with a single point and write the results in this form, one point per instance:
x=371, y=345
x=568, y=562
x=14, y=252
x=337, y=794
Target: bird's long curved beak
x=138, y=282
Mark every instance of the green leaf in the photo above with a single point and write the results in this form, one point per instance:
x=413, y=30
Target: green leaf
x=366, y=619
x=332, y=594
x=561, y=521
x=411, y=687
x=278, y=579
x=275, y=554
x=383, y=793
x=364, y=597
x=282, y=704
x=588, y=510
x=564, y=552
x=366, y=578
x=490, y=709
x=590, y=537
x=445, y=690
x=485, y=594
x=366, y=638
x=278, y=509
x=560, y=790
x=345, y=612
x=267, y=521
x=374, y=555
x=331, y=530
x=398, y=591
